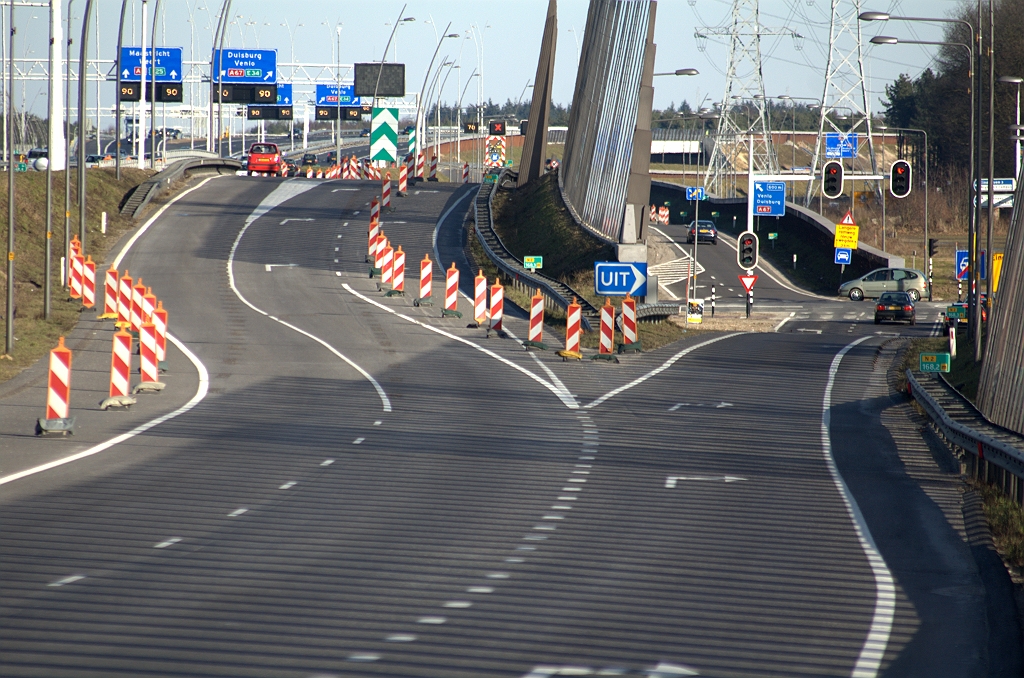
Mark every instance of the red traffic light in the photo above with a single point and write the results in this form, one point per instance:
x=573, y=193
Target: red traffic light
x=832, y=170
x=900, y=169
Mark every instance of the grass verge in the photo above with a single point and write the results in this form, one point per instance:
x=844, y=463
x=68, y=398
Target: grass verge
x=34, y=335
x=964, y=373
x=1005, y=520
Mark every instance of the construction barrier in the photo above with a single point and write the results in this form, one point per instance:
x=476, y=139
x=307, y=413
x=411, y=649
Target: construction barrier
x=374, y=211
x=480, y=298
x=378, y=256
x=465, y=173
x=148, y=305
x=149, y=367
x=426, y=278
x=89, y=283
x=58, y=393
x=573, y=328
x=663, y=215
x=387, y=268
x=654, y=214
x=309, y=173
x=535, y=337
x=77, y=275
x=420, y=162
x=385, y=192
x=124, y=301
x=630, y=341
x=76, y=245
x=497, y=306
x=451, y=293
x=433, y=168
x=160, y=319
x=607, y=328
x=138, y=291
x=372, y=241
x=120, y=373
x=398, y=274
x=110, y=282
x=403, y=180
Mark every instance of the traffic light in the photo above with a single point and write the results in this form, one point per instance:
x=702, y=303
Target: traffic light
x=832, y=179
x=933, y=246
x=900, y=179
x=746, y=253
x=496, y=128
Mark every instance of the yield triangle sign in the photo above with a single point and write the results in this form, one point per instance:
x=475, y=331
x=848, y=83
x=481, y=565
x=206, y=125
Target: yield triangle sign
x=748, y=282
x=848, y=219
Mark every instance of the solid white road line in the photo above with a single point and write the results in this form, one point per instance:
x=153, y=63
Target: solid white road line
x=285, y=191
x=871, y=654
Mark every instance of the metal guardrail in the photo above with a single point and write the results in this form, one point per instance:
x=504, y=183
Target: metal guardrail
x=659, y=310
x=148, y=190
x=555, y=290
x=965, y=427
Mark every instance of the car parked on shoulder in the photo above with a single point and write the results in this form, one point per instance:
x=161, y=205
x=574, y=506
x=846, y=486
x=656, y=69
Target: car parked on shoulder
x=895, y=307
x=702, y=231
x=264, y=158
x=881, y=280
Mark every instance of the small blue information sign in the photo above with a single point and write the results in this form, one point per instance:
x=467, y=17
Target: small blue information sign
x=840, y=145
x=844, y=255
x=962, y=263
x=769, y=199
x=695, y=193
x=284, y=95
x=333, y=95
x=617, y=278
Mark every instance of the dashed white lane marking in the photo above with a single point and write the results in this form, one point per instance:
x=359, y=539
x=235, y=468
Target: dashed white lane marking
x=377, y=423
x=400, y=638
x=431, y=620
x=344, y=224
x=363, y=657
x=67, y=580
x=548, y=528
x=480, y=589
x=553, y=517
x=287, y=486
x=515, y=560
x=497, y=575
x=327, y=462
x=568, y=498
x=570, y=489
x=168, y=542
x=526, y=548
x=285, y=191
x=458, y=604
x=584, y=458
x=237, y=512
x=561, y=507
x=577, y=480
x=358, y=441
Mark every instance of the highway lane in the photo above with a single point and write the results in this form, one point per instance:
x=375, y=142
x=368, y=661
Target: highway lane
x=486, y=525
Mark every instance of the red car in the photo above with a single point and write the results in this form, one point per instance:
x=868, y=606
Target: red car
x=264, y=158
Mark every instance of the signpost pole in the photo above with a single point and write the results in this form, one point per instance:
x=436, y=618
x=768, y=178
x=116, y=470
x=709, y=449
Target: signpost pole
x=750, y=294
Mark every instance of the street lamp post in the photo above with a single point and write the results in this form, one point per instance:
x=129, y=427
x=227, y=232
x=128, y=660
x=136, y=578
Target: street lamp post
x=67, y=155
x=291, y=37
x=1014, y=80
x=9, y=326
x=420, y=132
x=884, y=129
x=337, y=75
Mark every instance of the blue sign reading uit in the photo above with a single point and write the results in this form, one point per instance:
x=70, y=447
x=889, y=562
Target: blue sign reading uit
x=844, y=255
x=284, y=95
x=168, y=64
x=769, y=199
x=617, y=278
x=246, y=66
x=333, y=95
x=841, y=145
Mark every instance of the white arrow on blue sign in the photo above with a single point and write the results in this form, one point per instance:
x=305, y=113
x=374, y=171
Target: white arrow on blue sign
x=168, y=64
x=841, y=145
x=769, y=199
x=249, y=66
x=695, y=193
x=844, y=255
x=617, y=278
x=333, y=95
x=284, y=95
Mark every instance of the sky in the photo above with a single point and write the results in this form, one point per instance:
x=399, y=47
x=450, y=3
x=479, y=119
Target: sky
x=508, y=34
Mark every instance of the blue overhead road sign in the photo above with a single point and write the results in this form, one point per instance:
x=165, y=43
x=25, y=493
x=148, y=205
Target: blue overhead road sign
x=844, y=255
x=769, y=199
x=328, y=95
x=840, y=145
x=616, y=278
x=695, y=193
x=284, y=95
x=249, y=66
x=168, y=64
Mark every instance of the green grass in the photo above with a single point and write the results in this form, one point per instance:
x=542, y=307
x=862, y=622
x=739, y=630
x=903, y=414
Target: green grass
x=1006, y=521
x=34, y=335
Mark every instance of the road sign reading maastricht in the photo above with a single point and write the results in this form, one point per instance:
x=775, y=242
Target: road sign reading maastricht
x=769, y=199
x=617, y=278
x=168, y=64
x=840, y=145
x=252, y=66
x=328, y=95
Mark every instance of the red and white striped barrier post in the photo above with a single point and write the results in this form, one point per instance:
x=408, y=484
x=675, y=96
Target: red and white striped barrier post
x=480, y=298
x=420, y=162
x=398, y=274
x=58, y=393
x=630, y=340
x=309, y=173
x=387, y=268
x=465, y=173
x=149, y=367
x=160, y=319
x=88, y=283
x=607, y=339
x=372, y=241
x=110, y=282
x=426, y=283
x=138, y=291
x=433, y=168
x=374, y=211
x=385, y=192
x=663, y=215
x=535, y=337
x=403, y=181
x=497, y=307
x=148, y=305
x=124, y=302
x=654, y=214
x=120, y=373
x=76, y=245
x=451, y=293
x=77, y=275
x=353, y=163
x=378, y=256
x=572, y=332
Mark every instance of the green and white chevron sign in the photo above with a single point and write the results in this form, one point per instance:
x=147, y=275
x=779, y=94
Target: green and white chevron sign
x=384, y=135
x=413, y=145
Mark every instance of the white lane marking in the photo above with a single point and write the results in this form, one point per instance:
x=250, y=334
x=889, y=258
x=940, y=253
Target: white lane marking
x=784, y=321
x=363, y=657
x=553, y=517
x=566, y=399
x=526, y=548
x=377, y=423
x=358, y=441
x=670, y=481
x=515, y=560
x=437, y=226
x=431, y=620
x=287, y=486
x=871, y=654
x=344, y=224
x=285, y=221
x=480, y=589
x=355, y=214
x=327, y=462
x=559, y=507
x=658, y=370
x=204, y=387
x=497, y=575
x=152, y=219
x=334, y=190
x=568, y=498
x=585, y=458
x=271, y=267
x=168, y=542
x=547, y=370
x=67, y=580
x=286, y=191
x=570, y=489
x=237, y=512
x=400, y=638
x=458, y=604
x=576, y=480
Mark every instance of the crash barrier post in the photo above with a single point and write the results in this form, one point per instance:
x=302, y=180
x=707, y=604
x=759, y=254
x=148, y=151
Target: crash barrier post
x=149, y=368
x=535, y=337
x=451, y=293
x=58, y=393
x=630, y=340
x=110, y=281
x=573, y=315
x=398, y=274
x=120, y=373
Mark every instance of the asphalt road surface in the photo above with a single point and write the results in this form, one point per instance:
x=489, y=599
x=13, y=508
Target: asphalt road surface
x=368, y=489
